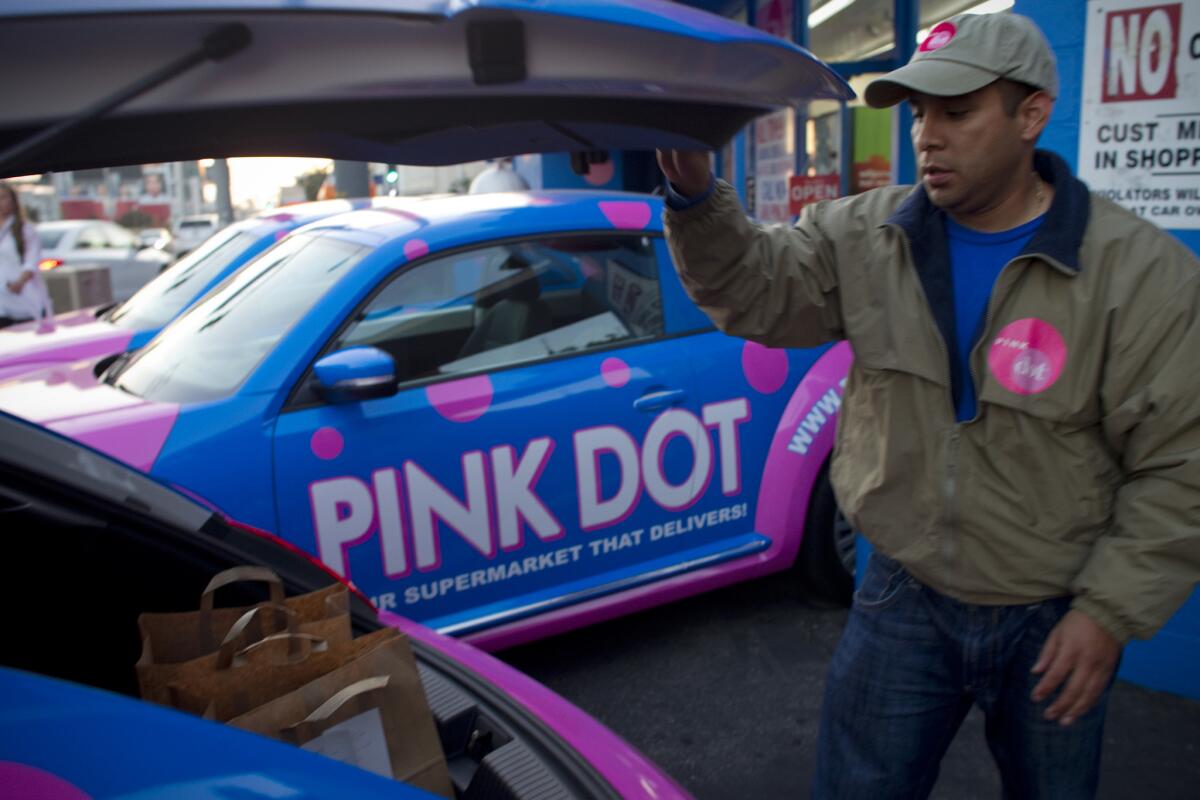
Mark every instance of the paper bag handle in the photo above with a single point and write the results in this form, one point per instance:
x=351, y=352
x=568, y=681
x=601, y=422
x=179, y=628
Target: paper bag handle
x=234, y=640
x=311, y=726
x=244, y=574
x=297, y=642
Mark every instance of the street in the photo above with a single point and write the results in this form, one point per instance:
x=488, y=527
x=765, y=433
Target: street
x=723, y=691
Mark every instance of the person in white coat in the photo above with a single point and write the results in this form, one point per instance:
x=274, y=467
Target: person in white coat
x=23, y=295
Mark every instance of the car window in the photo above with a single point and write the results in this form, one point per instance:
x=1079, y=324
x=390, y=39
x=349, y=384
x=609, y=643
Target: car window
x=50, y=239
x=157, y=303
x=513, y=303
x=91, y=238
x=119, y=238
x=209, y=351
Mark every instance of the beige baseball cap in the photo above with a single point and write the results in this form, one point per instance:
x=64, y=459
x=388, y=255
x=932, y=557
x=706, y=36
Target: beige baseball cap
x=967, y=52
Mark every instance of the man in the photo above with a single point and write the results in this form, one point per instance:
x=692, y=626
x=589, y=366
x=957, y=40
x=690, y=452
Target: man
x=1020, y=432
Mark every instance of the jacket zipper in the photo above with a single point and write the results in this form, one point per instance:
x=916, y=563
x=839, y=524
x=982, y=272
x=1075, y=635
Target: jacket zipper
x=950, y=480
x=950, y=487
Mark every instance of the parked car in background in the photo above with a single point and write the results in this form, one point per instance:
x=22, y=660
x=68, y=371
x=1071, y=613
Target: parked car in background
x=79, y=243
x=113, y=328
x=193, y=230
x=158, y=238
x=70, y=723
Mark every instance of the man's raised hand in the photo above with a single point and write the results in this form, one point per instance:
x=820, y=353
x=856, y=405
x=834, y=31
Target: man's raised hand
x=687, y=170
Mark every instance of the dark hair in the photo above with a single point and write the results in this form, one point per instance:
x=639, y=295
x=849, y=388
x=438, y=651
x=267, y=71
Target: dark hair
x=18, y=225
x=1013, y=93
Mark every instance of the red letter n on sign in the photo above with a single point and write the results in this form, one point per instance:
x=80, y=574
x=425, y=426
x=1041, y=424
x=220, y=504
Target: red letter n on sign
x=1140, y=49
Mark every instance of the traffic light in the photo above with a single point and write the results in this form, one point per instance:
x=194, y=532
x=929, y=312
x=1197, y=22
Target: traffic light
x=392, y=175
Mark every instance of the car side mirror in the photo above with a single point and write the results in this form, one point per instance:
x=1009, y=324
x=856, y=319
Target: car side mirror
x=354, y=374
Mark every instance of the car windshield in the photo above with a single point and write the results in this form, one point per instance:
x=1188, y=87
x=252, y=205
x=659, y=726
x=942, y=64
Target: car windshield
x=159, y=301
x=214, y=347
x=50, y=238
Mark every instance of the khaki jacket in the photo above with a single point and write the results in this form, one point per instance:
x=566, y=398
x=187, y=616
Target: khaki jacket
x=1079, y=475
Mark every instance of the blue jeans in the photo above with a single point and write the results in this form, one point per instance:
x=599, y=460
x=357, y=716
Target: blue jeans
x=909, y=666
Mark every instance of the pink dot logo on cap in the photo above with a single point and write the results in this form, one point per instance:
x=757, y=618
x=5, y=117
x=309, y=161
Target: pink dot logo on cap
x=1027, y=356
x=940, y=36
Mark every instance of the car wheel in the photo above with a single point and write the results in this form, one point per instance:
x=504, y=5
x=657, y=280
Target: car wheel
x=826, y=562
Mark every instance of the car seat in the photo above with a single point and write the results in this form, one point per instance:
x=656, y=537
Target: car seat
x=518, y=315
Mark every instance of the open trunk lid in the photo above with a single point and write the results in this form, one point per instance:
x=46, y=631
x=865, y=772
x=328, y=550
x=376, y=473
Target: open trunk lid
x=388, y=81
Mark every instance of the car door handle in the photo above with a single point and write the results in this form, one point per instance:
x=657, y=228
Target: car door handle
x=654, y=401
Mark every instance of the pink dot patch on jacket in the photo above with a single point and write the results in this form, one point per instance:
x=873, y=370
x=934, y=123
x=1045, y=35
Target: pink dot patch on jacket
x=1027, y=356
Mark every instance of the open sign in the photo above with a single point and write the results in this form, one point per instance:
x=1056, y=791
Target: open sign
x=805, y=189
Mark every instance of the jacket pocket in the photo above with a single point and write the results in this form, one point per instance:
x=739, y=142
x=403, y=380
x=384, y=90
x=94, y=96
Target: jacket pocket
x=1049, y=483
x=1047, y=363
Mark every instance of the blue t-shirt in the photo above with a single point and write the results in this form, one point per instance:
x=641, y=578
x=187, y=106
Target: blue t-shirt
x=976, y=260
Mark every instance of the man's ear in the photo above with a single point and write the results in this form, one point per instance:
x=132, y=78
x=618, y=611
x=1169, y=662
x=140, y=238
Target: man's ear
x=1034, y=114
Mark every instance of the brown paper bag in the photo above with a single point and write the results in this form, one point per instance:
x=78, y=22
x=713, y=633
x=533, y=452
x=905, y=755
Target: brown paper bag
x=175, y=645
x=371, y=712
x=155, y=680
x=267, y=669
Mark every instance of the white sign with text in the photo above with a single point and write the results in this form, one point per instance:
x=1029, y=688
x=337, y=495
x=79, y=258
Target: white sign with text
x=1139, y=139
x=774, y=163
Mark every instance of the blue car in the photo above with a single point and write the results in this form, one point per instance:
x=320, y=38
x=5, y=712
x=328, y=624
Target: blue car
x=497, y=414
x=494, y=413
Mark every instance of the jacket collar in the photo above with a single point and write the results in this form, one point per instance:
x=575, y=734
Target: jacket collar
x=1057, y=239
x=1061, y=233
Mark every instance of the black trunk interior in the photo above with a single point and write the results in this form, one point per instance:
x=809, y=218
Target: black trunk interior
x=81, y=571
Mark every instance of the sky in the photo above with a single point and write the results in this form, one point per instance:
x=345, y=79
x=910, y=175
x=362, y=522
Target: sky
x=259, y=179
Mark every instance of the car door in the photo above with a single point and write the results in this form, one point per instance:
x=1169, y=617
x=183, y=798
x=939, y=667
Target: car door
x=543, y=427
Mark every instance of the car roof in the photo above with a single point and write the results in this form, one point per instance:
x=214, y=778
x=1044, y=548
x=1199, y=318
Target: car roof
x=316, y=209
x=381, y=80
x=275, y=221
x=434, y=217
